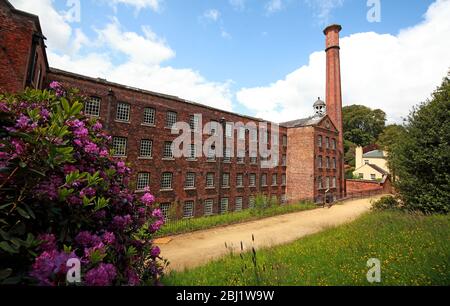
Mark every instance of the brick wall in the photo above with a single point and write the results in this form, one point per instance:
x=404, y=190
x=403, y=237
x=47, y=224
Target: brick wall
x=111, y=94
x=360, y=185
x=17, y=30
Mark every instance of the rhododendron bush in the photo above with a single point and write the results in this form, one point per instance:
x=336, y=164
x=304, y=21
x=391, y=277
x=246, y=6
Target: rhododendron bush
x=63, y=196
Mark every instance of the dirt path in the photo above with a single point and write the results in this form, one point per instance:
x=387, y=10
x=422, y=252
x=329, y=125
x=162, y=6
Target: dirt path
x=195, y=249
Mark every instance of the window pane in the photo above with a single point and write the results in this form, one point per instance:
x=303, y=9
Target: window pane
x=209, y=204
x=146, y=148
x=166, y=180
x=92, y=107
x=238, y=206
x=119, y=146
x=143, y=181
x=123, y=112
x=149, y=116
x=171, y=119
x=188, y=209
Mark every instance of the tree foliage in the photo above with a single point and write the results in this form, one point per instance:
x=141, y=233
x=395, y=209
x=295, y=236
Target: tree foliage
x=422, y=155
x=62, y=196
x=362, y=125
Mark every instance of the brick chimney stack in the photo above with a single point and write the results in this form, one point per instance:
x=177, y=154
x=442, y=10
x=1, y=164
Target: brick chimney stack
x=334, y=92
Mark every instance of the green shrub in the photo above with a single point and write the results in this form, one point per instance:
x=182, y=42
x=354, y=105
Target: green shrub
x=386, y=203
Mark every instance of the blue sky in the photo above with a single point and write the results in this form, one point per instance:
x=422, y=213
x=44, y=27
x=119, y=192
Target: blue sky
x=235, y=53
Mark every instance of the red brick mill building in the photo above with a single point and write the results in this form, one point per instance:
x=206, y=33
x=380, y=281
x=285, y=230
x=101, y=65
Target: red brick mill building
x=309, y=152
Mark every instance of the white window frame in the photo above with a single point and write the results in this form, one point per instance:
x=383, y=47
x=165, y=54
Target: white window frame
x=167, y=150
x=274, y=182
x=165, y=209
x=208, y=207
x=226, y=182
x=188, y=209
x=224, y=204
x=146, y=148
x=92, y=107
x=123, y=112
x=238, y=204
x=149, y=116
x=263, y=180
x=252, y=180
x=120, y=149
x=194, y=123
x=210, y=178
x=190, y=180
x=239, y=180
x=166, y=181
x=143, y=181
x=171, y=119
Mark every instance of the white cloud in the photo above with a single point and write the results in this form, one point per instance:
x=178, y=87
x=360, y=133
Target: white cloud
x=274, y=6
x=130, y=58
x=212, y=15
x=54, y=25
x=155, y=5
x=323, y=8
x=378, y=70
x=238, y=5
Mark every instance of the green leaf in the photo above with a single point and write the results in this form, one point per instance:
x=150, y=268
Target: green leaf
x=7, y=248
x=65, y=106
x=23, y=213
x=5, y=273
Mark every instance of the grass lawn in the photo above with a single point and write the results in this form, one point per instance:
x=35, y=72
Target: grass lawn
x=413, y=250
x=190, y=225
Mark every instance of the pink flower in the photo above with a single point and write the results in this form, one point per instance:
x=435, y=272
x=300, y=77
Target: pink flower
x=148, y=199
x=103, y=275
x=22, y=122
x=155, y=252
x=91, y=148
x=104, y=153
x=97, y=126
x=109, y=238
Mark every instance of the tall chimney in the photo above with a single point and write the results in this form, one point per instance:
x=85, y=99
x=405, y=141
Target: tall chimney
x=334, y=93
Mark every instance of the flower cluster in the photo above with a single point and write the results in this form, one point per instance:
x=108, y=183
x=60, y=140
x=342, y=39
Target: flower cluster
x=74, y=200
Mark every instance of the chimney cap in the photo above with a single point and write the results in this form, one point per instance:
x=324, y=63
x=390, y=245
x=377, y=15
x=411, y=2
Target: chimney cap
x=319, y=102
x=332, y=27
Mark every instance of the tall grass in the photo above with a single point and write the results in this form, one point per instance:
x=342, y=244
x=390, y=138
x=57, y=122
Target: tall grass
x=261, y=210
x=413, y=250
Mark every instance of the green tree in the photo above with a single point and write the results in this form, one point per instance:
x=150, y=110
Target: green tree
x=387, y=140
x=362, y=125
x=422, y=155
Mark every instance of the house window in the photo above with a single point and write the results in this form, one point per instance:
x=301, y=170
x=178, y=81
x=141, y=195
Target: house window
x=227, y=155
x=253, y=135
x=334, y=163
x=166, y=181
x=251, y=202
x=214, y=127
x=319, y=162
x=264, y=179
x=149, y=116
x=328, y=162
x=283, y=180
x=210, y=180
x=146, y=148
x=208, y=206
x=123, y=112
x=229, y=130
x=211, y=154
x=192, y=151
x=361, y=175
x=327, y=142
x=334, y=182
x=168, y=153
x=253, y=158
x=241, y=156
x=92, y=107
x=327, y=182
x=171, y=119
x=223, y=205
x=165, y=209
x=190, y=180
x=284, y=160
x=320, y=183
x=319, y=141
x=226, y=180
x=366, y=162
x=119, y=146
x=265, y=136
x=275, y=160
x=241, y=133
x=274, y=180
x=285, y=141
x=240, y=180
x=238, y=206
x=252, y=180
x=194, y=123
x=334, y=144
x=143, y=181
x=275, y=140
x=373, y=177
x=188, y=209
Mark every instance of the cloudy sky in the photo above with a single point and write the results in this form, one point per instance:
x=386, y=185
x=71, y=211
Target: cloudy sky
x=257, y=57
